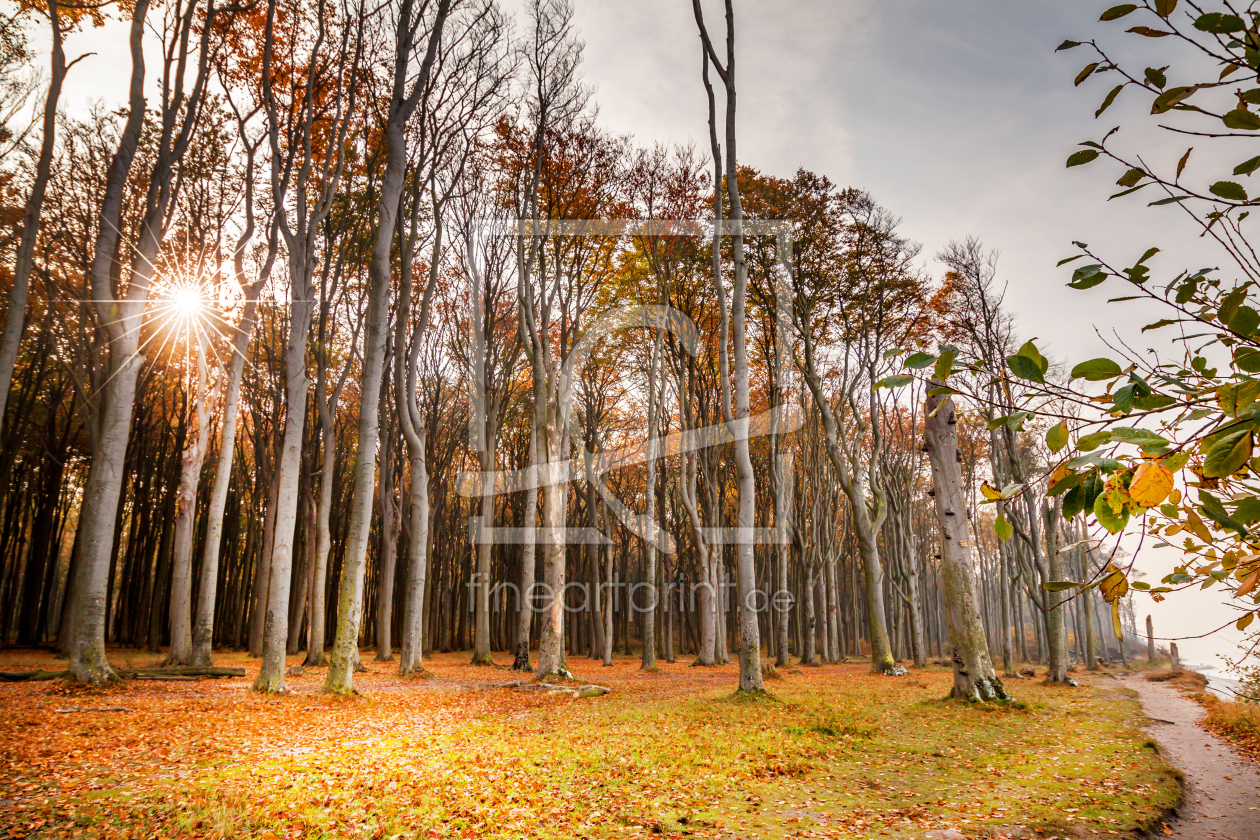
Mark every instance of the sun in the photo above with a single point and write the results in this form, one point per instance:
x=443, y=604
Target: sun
x=188, y=301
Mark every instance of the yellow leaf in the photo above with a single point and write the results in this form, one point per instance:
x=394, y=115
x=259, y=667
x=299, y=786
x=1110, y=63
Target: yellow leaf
x=1151, y=484
x=1114, y=586
x=1195, y=526
x=990, y=492
x=1115, y=618
x=1174, y=496
x=1060, y=472
x=1248, y=585
x=1117, y=496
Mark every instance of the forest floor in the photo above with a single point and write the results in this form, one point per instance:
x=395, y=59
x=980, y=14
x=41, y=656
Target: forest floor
x=835, y=752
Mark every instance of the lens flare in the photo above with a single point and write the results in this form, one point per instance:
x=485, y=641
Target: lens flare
x=187, y=301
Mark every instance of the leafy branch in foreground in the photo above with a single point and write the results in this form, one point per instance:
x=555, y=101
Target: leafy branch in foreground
x=1160, y=448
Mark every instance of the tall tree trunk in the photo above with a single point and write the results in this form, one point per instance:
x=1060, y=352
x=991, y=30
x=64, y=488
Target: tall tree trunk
x=196, y=444
x=551, y=660
x=15, y=313
x=340, y=679
x=391, y=525
x=412, y=648
x=203, y=623
x=98, y=511
x=276, y=619
x=974, y=677
x=485, y=545
x=525, y=604
x=262, y=570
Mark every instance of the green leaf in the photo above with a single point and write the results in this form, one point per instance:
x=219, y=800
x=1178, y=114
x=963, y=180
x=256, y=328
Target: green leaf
x=1129, y=191
x=1248, y=510
x=1060, y=585
x=1212, y=508
x=1082, y=157
x=1245, y=320
x=1030, y=350
x=1081, y=498
x=1241, y=119
x=1087, y=277
x=918, y=361
x=1181, y=164
x=1057, y=436
x=897, y=380
x=1177, y=460
x=1219, y=24
x=1228, y=190
x=1231, y=302
x=1228, y=454
x=1066, y=483
x=1067, y=45
x=1248, y=166
x=1147, y=32
x=1108, y=518
x=1003, y=528
x=1164, y=8
x=1090, y=442
x=1096, y=370
x=1025, y=368
x=1154, y=402
x=1166, y=100
x=1247, y=359
x=1156, y=77
x=1131, y=177
x=945, y=364
x=1106, y=103
x=1138, y=436
x=1085, y=73
x=1117, y=12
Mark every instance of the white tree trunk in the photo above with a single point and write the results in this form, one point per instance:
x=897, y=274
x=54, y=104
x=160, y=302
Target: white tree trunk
x=974, y=677
x=551, y=661
x=276, y=619
x=203, y=622
x=197, y=442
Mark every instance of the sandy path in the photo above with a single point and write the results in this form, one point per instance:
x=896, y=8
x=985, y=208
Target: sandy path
x=1222, y=787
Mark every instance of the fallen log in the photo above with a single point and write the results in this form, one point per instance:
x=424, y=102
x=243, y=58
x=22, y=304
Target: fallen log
x=75, y=709
x=30, y=676
x=181, y=673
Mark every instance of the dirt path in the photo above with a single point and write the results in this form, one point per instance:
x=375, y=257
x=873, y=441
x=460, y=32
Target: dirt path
x=1222, y=787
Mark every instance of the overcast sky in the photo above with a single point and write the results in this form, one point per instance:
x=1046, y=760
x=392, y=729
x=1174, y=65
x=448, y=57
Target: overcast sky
x=957, y=116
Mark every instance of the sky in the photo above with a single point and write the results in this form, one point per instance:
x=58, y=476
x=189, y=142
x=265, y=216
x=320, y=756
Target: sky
x=957, y=116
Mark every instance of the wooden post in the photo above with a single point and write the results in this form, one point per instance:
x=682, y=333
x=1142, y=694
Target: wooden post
x=1176, y=658
x=1150, y=641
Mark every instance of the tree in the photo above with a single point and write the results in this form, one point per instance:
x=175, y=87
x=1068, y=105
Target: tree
x=121, y=315
x=415, y=24
x=974, y=677
x=307, y=162
x=735, y=411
